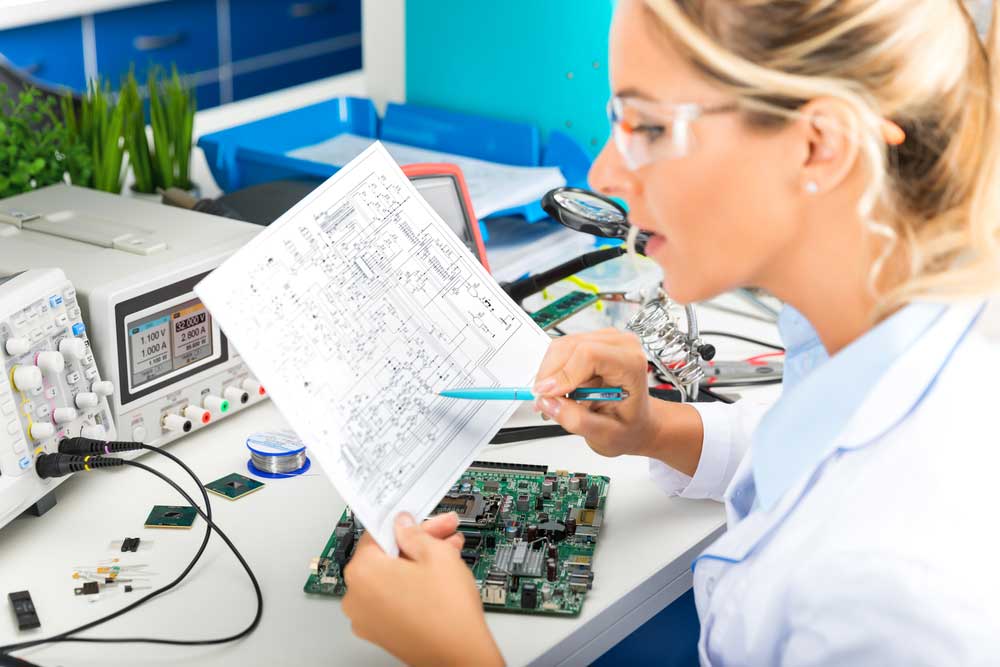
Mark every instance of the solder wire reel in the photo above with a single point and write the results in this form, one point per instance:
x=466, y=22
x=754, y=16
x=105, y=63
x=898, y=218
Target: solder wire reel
x=675, y=352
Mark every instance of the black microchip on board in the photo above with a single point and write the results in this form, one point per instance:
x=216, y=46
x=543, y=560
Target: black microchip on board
x=24, y=609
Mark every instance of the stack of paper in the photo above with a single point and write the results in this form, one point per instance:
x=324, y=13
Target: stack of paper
x=492, y=186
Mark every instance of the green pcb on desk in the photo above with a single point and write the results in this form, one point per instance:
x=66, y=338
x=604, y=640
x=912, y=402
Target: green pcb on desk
x=530, y=537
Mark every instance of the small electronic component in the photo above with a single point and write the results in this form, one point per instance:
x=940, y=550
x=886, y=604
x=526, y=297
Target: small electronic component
x=522, y=502
x=529, y=596
x=527, y=557
x=88, y=588
x=170, y=516
x=587, y=522
x=24, y=609
x=233, y=486
x=130, y=544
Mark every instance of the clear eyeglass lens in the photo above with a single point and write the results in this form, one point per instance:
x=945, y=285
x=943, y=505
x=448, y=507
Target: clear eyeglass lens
x=638, y=148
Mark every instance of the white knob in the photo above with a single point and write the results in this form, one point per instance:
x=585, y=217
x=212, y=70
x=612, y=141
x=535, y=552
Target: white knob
x=174, y=422
x=87, y=400
x=17, y=346
x=103, y=388
x=216, y=404
x=236, y=396
x=63, y=415
x=50, y=361
x=253, y=386
x=93, y=432
x=139, y=433
x=197, y=415
x=27, y=378
x=42, y=430
x=74, y=348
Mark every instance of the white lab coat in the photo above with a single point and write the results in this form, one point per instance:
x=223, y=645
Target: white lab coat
x=887, y=552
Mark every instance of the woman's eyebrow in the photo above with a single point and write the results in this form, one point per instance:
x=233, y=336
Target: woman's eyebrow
x=634, y=93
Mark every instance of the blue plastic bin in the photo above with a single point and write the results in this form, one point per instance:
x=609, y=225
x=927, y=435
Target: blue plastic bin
x=257, y=152
x=254, y=153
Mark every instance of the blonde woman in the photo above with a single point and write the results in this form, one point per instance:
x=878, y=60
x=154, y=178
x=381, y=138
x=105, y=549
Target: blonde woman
x=842, y=154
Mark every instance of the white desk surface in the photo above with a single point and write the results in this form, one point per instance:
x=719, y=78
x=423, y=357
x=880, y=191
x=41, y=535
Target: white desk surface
x=642, y=563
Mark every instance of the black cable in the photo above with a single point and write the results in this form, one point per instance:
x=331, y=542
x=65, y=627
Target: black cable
x=206, y=515
x=522, y=289
x=745, y=339
x=748, y=383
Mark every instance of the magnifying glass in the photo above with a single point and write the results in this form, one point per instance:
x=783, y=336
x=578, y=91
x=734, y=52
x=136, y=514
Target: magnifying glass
x=590, y=213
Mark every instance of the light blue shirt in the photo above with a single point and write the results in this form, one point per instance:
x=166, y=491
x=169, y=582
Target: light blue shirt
x=860, y=519
x=821, y=394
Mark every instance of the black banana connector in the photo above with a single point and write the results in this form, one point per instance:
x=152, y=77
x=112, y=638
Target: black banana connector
x=84, y=446
x=60, y=465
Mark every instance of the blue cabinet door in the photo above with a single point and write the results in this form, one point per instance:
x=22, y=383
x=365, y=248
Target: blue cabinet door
x=272, y=78
x=50, y=52
x=182, y=33
x=266, y=26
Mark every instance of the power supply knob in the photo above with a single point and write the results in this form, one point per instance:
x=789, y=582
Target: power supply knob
x=103, y=388
x=196, y=414
x=236, y=395
x=174, y=422
x=94, y=432
x=50, y=361
x=42, y=431
x=254, y=387
x=87, y=400
x=73, y=348
x=216, y=404
x=63, y=415
x=27, y=378
x=17, y=346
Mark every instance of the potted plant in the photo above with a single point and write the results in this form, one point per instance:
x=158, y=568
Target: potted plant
x=97, y=122
x=36, y=148
x=166, y=161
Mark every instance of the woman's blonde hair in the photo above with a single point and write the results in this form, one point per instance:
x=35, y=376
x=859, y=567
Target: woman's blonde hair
x=918, y=63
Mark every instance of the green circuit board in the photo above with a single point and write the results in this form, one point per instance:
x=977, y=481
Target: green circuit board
x=563, y=308
x=530, y=536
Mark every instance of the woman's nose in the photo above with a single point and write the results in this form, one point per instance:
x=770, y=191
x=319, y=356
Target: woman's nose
x=609, y=176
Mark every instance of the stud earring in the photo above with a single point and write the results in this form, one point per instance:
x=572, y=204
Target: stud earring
x=812, y=187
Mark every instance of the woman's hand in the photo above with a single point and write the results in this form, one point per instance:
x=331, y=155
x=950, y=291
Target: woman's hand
x=422, y=607
x=606, y=358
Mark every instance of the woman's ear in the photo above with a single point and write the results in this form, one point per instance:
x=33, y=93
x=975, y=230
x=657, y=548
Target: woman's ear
x=829, y=129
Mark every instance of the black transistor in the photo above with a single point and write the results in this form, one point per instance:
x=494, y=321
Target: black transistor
x=24, y=608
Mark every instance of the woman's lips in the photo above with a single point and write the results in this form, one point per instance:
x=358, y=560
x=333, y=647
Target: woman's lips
x=654, y=243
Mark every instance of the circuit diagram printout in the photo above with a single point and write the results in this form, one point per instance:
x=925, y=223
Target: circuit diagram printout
x=354, y=309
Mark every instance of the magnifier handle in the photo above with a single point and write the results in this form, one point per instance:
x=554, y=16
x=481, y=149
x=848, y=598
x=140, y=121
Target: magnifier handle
x=522, y=289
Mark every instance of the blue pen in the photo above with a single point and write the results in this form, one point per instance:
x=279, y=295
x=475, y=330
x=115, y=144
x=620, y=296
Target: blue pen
x=525, y=394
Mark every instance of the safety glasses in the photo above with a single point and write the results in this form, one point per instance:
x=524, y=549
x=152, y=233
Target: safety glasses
x=646, y=131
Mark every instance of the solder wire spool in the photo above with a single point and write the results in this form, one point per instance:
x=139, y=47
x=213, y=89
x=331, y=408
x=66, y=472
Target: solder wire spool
x=276, y=455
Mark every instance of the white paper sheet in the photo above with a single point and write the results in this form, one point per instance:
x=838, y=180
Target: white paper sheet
x=492, y=186
x=354, y=309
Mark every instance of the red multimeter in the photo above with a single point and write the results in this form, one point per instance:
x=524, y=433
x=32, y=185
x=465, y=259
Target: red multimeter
x=443, y=186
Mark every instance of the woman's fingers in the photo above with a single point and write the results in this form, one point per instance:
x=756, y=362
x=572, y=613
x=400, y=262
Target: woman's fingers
x=610, y=362
x=441, y=525
x=560, y=351
x=579, y=419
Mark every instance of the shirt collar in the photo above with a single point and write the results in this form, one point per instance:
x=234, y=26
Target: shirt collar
x=804, y=351
x=799, y=430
